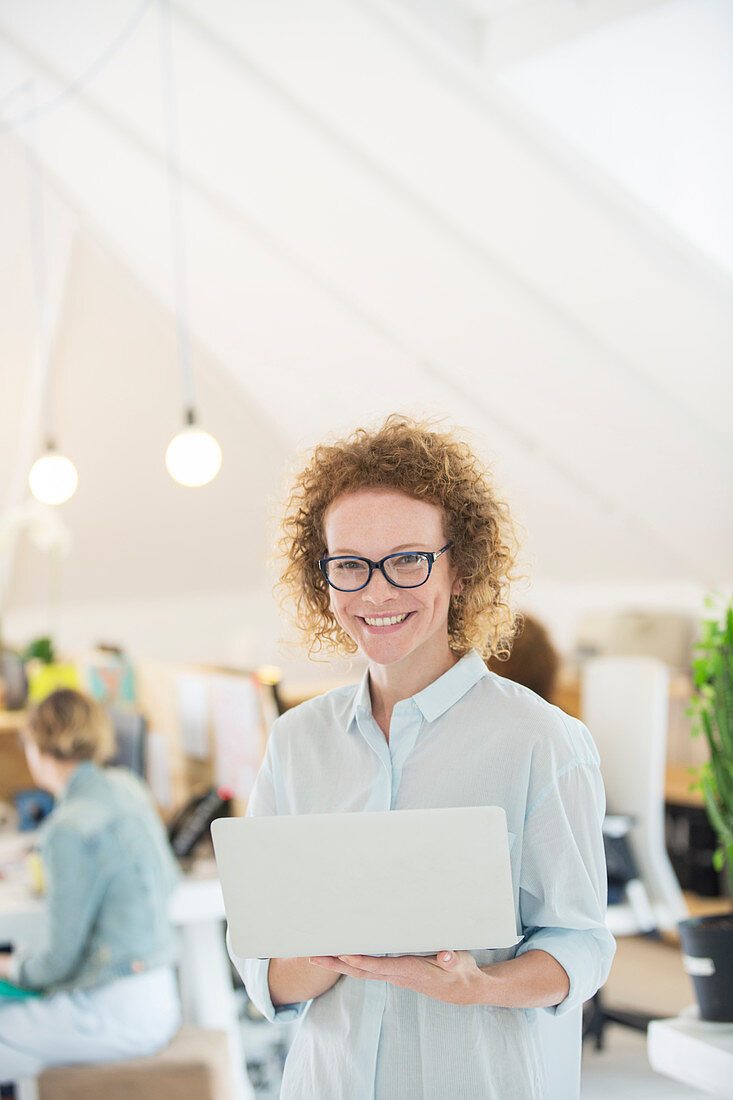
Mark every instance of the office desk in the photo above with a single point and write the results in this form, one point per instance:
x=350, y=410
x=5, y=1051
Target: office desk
x=196, y=909
x=677, y=783
x=693, y=1051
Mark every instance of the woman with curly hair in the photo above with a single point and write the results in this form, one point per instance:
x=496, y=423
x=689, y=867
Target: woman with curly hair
x=396, y=545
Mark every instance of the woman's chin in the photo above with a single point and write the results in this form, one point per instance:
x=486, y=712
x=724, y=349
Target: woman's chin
x=386, y=649
x=390, y=649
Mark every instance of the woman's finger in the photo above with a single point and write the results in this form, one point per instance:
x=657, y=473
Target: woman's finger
x=447, y=960
x=373, y=963
x=353, y=971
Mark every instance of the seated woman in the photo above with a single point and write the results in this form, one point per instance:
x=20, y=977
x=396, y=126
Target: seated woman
x=106, y=968
x=533, y=661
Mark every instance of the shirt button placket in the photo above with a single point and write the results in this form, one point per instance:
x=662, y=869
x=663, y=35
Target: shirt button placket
x=375, y=993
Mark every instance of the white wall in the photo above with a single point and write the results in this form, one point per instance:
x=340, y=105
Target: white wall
x=560, y=605
x=243, y=628
x=235, y=628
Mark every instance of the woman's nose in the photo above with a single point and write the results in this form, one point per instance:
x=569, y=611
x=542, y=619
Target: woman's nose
x=379, y=588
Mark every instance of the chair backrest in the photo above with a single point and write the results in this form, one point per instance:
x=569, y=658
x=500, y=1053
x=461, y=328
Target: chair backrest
x=625, y=705
x=130, y=730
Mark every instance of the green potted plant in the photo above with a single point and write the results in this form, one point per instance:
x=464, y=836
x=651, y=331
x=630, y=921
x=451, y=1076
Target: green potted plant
x=44, y=529
x=707, y=942
x=45, y=673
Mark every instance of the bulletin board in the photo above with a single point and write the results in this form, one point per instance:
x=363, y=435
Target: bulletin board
x=207, y=726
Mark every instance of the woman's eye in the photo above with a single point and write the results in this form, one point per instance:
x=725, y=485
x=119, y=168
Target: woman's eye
x=407, y=561
x=348, y=565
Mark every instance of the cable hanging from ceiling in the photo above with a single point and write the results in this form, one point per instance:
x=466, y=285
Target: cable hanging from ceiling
x=77, y=84
x=193, y=456
x=52, y=478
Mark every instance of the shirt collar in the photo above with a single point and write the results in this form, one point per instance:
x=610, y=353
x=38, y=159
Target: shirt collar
x=77, y=780
x=362, y=699
x=438, y=697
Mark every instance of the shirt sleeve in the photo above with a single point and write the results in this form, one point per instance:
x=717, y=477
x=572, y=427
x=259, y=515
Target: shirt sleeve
x=263, y=802
x=563, y=885
x=74, y=891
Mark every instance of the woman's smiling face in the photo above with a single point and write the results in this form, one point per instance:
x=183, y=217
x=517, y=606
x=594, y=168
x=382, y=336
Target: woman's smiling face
x=391, y=624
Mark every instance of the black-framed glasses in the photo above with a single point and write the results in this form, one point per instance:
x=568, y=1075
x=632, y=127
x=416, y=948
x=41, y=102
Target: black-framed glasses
x=408, y=569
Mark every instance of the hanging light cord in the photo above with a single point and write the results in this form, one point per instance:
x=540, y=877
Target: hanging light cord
x=173, y=157
x=79, y=83
x=38, y=262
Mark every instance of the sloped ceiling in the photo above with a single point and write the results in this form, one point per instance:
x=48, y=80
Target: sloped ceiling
x=132, y=525
x=648, y=99
x=367, y=227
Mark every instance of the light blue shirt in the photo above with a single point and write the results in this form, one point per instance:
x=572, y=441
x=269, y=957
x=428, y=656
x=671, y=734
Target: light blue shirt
x=469, y=739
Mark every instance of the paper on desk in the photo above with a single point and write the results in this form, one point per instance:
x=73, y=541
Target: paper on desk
x=193, y=715
x=237, y=732
x=158, y=769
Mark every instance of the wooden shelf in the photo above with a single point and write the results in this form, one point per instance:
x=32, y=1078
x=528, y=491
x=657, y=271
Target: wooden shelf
x=14, y=773
x=680, y=686
x=677, y=782
x=707, y=907
x=12, y=720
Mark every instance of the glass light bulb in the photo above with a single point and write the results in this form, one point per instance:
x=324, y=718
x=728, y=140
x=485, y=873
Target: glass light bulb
x=53, y=478
x=193, y=457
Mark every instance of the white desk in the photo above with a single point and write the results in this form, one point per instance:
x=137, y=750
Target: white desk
x=694, y=1051
x=197, y=910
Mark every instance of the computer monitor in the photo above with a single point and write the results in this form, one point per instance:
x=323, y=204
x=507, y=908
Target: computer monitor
x=130, y=730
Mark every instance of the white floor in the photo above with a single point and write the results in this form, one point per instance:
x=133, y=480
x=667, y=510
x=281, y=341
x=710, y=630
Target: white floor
x=621, y=1071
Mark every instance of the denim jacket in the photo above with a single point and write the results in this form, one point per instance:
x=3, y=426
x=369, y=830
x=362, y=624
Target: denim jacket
x=109, y=872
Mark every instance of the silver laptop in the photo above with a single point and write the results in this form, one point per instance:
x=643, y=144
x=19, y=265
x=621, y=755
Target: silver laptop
x=401, y=882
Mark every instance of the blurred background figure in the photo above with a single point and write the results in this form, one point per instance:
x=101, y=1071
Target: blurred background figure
x=103, y=986
x=533, y=661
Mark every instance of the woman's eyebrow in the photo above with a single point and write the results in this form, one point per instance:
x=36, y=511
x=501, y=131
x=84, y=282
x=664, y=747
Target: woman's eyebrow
x=395, y=550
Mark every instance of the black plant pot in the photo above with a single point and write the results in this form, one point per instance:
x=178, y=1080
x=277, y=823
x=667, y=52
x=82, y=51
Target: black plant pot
x=707, y=949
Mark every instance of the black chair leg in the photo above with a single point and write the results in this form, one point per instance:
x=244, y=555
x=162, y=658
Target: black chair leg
x=597, y=1016
x=594, y=1020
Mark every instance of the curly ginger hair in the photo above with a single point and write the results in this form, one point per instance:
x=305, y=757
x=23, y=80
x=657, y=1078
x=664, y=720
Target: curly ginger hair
x=415, y=458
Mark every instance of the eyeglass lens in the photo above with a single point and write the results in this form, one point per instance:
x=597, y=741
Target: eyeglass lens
x=406, y=570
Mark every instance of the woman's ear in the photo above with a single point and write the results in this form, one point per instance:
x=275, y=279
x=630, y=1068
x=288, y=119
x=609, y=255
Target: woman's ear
x=456, y=587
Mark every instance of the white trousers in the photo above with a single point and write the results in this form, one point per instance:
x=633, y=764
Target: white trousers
x=126, y=1018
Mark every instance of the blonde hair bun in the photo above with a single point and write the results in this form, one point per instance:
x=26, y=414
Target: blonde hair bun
x=70, y=726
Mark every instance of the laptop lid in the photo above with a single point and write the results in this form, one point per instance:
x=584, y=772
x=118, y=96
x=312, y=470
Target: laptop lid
x=400, y=882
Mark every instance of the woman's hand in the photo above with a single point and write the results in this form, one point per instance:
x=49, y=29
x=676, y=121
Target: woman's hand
x=5, y=964
x=451, y=976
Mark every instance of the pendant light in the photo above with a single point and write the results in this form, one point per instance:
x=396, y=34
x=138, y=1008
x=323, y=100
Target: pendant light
x=52, y=478
x=193, y=457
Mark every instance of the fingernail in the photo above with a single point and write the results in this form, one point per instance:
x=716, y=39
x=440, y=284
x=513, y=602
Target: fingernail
x=448, y=956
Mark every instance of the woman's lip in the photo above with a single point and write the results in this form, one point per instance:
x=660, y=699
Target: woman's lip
x=390, y=626
x=386, y=615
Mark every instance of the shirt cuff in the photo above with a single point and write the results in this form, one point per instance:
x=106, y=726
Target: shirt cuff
x=254, y=975
x=584, y=954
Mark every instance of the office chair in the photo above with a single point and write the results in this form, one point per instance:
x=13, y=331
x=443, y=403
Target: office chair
x=130, y=729
x=625, y=705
